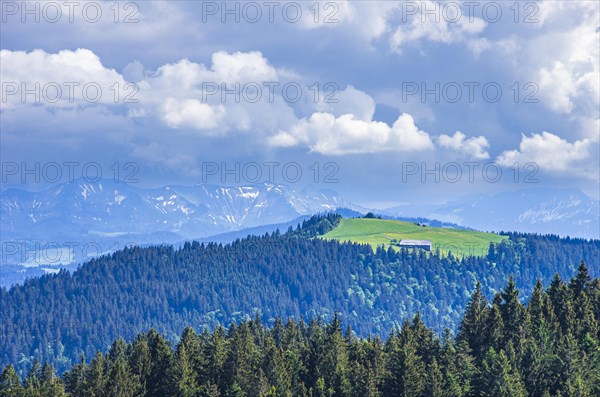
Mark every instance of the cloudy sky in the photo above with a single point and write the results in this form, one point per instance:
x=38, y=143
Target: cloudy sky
x=386, y=102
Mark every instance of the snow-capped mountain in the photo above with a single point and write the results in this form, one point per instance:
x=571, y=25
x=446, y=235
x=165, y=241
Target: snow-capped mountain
x=566, y=212
x=107, y=208
x=74, y=221
x=66, y=224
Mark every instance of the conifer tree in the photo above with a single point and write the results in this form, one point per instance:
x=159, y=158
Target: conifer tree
x=140, y=361
x=405, y=375
x=10, y=383
x=472, y=329
x=499, y=377
x=51, y=385
x=32, y=382
x=494, y=334
x=161, y=358
x=121, y=382
x=95, y=376
x=513, y=317
x=582, y=280
x=335, y=364
x=562, y=303
x=75, y=379
x=216, y=351
x=187, y=365
x=435, y=381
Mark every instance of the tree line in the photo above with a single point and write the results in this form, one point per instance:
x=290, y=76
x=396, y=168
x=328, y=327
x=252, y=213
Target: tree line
x=549, y=347
x=57, y=318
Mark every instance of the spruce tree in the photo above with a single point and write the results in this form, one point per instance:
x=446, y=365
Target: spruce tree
x=514, y=317
x=32, y=382
x=161, y=358
x=10, y=383
x=472, y=329
x=140, y=361
x=405, y=375
x=435, y=381
x=75, y=379
x=581, y=281
x=499, y=377
x=51, y=384
x=95, y=376
x=121, y=382
x=187, y=365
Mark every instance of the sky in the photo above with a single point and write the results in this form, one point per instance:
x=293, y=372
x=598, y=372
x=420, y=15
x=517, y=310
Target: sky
x=385, y=102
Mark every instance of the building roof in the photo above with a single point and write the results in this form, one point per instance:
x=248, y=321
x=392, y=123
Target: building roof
x=415, y=242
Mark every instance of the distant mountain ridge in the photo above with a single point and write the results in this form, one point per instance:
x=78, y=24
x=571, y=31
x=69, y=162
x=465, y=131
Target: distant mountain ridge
x=565, y=212
x=108, y=209
x=95, y=218
x=91, y=219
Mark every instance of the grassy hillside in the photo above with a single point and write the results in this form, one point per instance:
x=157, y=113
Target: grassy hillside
x=377, y=232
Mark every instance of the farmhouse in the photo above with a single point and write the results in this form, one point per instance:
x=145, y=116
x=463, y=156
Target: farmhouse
x=423, y=244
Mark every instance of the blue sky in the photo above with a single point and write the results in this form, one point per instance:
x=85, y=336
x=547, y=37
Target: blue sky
x=386, y=86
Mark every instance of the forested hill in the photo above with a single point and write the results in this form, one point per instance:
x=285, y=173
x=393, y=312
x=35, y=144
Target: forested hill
x=56, y=318
x=550, y=347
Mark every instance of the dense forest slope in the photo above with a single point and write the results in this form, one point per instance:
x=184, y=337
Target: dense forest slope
x=56, y=318
x=551, y=347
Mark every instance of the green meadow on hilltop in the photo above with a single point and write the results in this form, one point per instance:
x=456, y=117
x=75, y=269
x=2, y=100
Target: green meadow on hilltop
x=377, y=232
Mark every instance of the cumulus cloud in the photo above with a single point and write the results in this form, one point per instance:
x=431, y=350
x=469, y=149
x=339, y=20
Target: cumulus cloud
x=366, y=20
x=553, y=153
x=565, y=57
x=559, y=86
x=326, y=134
x=348, y=101
x=424, y=26
x=474, y=147
x=237, y=67
x=67, y=78
x=191, y=113
x=234, y=92
x=126, y=29
x=177, y=96
x=400, y=22
x=242, y=67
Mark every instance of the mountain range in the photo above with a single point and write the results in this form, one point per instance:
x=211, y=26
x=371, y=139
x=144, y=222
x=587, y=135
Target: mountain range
x=107, y=208
x=565, y=212
x=68, y=223
x=74, y=221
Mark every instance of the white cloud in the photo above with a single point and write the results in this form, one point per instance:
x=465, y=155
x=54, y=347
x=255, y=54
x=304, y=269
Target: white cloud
x=558, y=85
x=65, y=79
x=508, y=47
x=347, y=101
x=553, y=153
x=435, y=27
x=570, y=84
x=175, y=95
x=191, y=113
x=366, y=20
x=324, y=133
x=474, y=147
x=559, y=12
x=123, y=28
x=243, y=67
x=238, y=67
x=189, y=95
x=557, y=52
x=400, y=22
x=565, y=57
